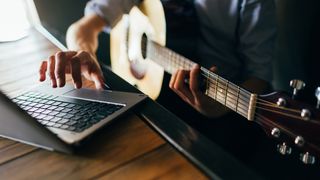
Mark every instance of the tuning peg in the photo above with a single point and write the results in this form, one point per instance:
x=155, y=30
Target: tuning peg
x=305, y=114
x=275, y=132
x=297, y=85
x=306, y=158
x=284, y=149
x=299, y=141
x=317, y=93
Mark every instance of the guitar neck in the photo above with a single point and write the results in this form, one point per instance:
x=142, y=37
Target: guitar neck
x=225, y=92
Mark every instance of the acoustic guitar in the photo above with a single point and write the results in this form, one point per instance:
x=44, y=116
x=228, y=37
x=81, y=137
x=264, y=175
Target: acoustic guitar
x=139, y=55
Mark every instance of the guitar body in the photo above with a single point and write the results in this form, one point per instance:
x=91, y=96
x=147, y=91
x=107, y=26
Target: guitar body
x=145, y=74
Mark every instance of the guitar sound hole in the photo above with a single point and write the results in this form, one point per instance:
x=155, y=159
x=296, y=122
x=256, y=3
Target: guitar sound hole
x=144, y=41
x=138, y=68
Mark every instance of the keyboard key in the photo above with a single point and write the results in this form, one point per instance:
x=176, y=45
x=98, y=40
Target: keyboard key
x=56, y=125
x=47, y=118
x=33, y=109
x=50, y=102
x=39, y=105
x=68, y=116
x=22, y=98
x=53, y=113
x=71, y=123
x=74, y=112
x=56, y=103
x=66, y=110
x=39, y=110
x=64, y=126
x=63, y=104
x=44, y=122
x=35, y=115
x=55, y=119
x=50, y=124
x=63, y=121
x=53, y=107
x=70, y=105
x=41, y=116
x=76, y=118
x=61, y=115
x=71, y=128
x=27, y=108
x=43, y=101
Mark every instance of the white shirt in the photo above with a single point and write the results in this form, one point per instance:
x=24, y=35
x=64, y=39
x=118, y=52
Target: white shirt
x=237, y=36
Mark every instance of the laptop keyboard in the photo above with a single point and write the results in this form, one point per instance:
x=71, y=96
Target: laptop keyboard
x=64, y=113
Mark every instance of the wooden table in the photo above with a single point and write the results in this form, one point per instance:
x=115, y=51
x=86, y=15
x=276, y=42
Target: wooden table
x=127, y=148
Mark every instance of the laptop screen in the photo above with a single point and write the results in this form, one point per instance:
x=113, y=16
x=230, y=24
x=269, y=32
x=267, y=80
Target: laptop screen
x=56, y=16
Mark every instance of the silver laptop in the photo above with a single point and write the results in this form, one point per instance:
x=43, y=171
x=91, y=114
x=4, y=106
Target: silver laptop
x=59, y=119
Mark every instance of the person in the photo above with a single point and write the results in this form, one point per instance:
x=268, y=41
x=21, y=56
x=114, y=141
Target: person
x=237, y=39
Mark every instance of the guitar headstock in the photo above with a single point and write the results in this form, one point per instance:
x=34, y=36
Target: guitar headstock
x=294, y=124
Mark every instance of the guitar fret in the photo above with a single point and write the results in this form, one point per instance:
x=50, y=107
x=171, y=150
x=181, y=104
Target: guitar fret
x=216, y=88
x=238, y=99
x=225, y=103
x=207, y=82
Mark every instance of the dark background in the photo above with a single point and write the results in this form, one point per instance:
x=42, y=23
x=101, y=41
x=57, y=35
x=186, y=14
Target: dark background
x=297, y=57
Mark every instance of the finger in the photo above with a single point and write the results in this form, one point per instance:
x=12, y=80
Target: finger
x=181, y=87
x=194, y=82
x=43, y=70
x=60, y=73
x=76, y=72
x=51, y=67
x=70, y=54
x=173, y=79
x=98, y=80
x=92, y=69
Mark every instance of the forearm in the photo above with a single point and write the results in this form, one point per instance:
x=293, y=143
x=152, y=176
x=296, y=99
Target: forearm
x=83, y=34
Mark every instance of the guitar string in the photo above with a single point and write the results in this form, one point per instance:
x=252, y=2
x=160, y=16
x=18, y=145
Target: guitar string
x=263, y=119
x=220, y=84
x=234, y=87
x=187, y=64
x=227, y=99
x=212, y=86
x=282, y=108
x=222, y=87
x=234, y=98
x=267, y=101
x=282, y=113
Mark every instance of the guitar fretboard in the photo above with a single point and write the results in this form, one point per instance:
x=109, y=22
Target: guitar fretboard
x=218, y=88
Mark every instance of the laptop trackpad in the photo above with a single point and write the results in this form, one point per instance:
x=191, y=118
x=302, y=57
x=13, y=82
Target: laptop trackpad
x=90, y=94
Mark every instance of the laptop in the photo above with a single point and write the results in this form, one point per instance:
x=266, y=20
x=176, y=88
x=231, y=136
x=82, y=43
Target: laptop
x=60, y=119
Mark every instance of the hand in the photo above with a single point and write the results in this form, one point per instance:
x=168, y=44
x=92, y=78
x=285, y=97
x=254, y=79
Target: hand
x=192, y=95
x=74, y=63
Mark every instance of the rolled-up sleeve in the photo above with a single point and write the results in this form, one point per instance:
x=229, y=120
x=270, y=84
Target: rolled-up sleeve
x=110, y=10
x=257, y=35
